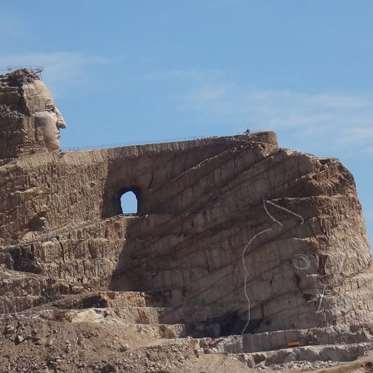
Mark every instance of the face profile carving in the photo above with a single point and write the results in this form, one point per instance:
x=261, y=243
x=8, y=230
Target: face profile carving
x=48, y=120
x=30, y=121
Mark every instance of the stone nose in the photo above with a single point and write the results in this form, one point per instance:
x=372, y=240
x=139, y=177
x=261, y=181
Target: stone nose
x=60, y=120
x=61, y=124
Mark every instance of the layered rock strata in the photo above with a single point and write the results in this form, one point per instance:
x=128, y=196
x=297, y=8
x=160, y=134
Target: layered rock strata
x=233, y=236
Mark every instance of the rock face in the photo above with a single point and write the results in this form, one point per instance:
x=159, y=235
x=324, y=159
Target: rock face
x=234, y=235
x=29, y=118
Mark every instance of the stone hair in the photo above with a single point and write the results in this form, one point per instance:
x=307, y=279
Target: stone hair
x=18, y=77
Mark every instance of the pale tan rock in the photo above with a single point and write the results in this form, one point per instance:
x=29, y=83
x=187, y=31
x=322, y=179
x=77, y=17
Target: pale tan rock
x=29, y=119
x=216, y=216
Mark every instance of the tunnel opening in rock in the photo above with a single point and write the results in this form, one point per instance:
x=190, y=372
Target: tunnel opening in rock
x=129, y=202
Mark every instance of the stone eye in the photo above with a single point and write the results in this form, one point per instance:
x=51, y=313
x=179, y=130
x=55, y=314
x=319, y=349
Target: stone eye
x=49, y=108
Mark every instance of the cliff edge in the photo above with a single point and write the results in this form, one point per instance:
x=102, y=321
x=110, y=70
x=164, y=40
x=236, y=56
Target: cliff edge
x=240, y=250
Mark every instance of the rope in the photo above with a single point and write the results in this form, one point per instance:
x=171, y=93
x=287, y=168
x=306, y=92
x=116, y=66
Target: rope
x=262, y=232
x=287, y=210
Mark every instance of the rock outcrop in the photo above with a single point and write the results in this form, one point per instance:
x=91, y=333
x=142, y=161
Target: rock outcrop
x=242, y=245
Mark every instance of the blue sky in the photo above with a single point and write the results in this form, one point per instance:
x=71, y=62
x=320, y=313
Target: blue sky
x=137, y=71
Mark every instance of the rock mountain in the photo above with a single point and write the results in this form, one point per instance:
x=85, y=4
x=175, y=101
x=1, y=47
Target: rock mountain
x=242, y=254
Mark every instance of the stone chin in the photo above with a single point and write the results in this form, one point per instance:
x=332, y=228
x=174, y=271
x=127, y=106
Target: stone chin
x=47, y=129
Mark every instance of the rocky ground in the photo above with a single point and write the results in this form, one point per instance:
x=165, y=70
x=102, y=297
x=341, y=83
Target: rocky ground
x=118, y=332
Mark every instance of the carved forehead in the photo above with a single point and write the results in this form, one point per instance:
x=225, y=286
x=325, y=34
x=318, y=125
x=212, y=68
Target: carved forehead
x=37, y=96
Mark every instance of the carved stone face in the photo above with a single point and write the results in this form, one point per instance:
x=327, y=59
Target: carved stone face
x=47, y=118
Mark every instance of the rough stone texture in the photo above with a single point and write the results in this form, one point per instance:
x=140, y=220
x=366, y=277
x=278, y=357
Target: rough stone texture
x=68, y=255
x=29, y=119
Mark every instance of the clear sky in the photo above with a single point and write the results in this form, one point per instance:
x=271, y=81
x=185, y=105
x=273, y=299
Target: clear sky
x=134, y=71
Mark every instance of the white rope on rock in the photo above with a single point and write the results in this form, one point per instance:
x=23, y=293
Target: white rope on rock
x=244, y=251
x=301, y=218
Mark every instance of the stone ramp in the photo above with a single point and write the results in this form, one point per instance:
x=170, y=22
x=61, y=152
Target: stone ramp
x=310, y=356
x=281, y=339
x=306, y=354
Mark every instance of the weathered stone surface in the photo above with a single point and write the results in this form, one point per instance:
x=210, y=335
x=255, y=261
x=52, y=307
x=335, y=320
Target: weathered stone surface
x=29, y=119
x=218, y=217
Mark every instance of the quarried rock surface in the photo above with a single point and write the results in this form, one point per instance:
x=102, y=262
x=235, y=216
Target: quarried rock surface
x=239, y=248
